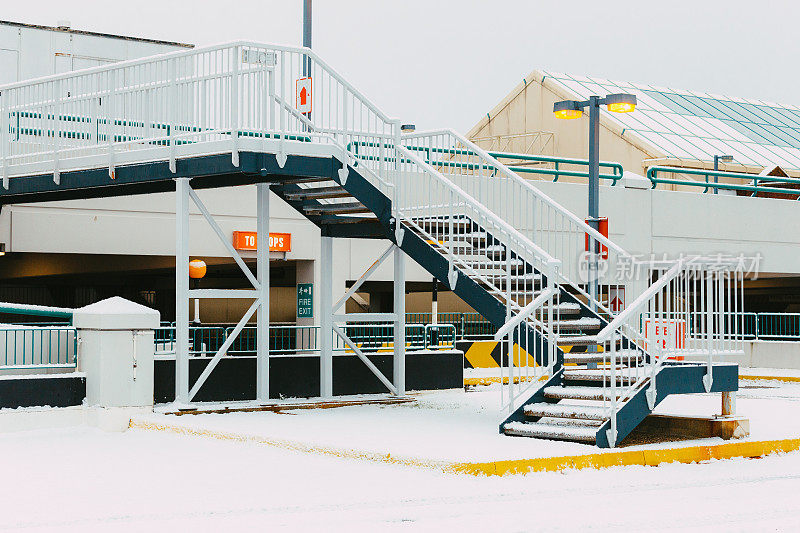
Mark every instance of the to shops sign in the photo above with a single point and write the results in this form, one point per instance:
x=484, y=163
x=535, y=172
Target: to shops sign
x=248, y=240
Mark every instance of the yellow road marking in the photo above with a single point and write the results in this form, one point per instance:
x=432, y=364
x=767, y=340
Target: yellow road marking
x=646, y=457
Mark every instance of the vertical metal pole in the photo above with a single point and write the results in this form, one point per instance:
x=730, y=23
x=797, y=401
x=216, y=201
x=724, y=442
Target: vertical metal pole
x=435, y=313
x=262, y=271
x=716, y=168
x=399, y=361
x=306, y=24
x=326, y=318
x=307, y=40
x=182, y=290
x=594, y=201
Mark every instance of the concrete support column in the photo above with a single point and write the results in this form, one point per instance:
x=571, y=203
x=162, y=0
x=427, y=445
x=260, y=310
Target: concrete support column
x=182, y=290
x=262, y=272
x=326, y=318
x=399, y=359
x=116, y=352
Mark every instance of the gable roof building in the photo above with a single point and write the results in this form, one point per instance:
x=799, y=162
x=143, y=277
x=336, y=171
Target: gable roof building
x=669, y=126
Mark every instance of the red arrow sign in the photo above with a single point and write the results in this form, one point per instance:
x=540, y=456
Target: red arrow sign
x=304, y=95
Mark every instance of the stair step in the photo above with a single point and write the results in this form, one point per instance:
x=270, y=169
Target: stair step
x=444, y=224
x=623, y=374
x=551, y=431
x=571, y=422
x=562, y=309
x=317, y=193
x=336, y=209
x=625, y=356
x=583, y=340
x=564, y=410
x=348, y=220
x=579, y=393
x=580, y=324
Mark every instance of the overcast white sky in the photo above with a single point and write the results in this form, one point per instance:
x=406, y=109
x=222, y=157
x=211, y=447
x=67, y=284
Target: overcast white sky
x=445, y=63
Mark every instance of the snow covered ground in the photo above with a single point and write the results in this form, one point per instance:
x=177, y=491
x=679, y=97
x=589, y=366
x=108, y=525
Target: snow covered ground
x=460, y=426
x=85, y=480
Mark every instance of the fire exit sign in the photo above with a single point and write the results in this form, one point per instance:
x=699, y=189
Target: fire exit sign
x=305, y=300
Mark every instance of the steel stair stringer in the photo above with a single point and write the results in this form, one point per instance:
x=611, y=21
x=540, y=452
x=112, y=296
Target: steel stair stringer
x=671, y=379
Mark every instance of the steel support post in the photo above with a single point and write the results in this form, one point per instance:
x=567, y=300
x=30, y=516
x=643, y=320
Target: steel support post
x=182, y=290
x=262, y=272
x=326, y=318
x=594, y=201
x=399, y=360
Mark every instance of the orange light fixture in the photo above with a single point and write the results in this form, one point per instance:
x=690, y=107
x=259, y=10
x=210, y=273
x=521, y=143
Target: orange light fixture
x=197, y=268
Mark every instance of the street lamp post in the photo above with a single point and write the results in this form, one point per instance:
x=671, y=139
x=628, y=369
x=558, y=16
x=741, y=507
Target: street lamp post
x=572, y=109
x=717, y=159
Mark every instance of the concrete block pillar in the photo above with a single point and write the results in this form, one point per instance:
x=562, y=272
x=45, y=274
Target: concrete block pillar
x=115, y=351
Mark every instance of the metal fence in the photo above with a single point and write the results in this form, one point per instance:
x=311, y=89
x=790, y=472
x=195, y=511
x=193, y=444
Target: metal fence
x=466, y=325
x=286, y=340
x=38, y=347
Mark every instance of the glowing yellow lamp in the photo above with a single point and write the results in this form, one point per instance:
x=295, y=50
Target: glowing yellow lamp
x=568, y=114
x=622, y=107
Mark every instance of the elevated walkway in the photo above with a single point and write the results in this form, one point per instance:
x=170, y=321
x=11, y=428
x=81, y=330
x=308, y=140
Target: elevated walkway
x=223, y=116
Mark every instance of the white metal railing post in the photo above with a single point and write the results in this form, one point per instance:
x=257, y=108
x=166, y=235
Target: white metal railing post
x=4, y=126
x=182, y=290
x=326, y=318
x=56, y=129
x=173, y=113
x=709, y=312
x=235, y=107
x=399, y=188
x=110, y=92
x=262, y=271
x=399, y=360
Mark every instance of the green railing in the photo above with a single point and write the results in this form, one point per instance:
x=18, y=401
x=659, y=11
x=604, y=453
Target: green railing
x=288, y=339
x=558, y=170
x=466, y=325
x=38, y=347
x=772, y=326
x=708, y=185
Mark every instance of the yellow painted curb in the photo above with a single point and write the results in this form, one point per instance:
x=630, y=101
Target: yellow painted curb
x=772, y=378
x=488, y=380
x=645, y=457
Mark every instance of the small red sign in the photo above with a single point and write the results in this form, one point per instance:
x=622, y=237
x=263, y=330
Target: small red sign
x=304, y=94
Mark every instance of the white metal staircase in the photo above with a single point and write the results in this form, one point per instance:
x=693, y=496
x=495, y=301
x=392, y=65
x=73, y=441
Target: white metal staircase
x=511, y=251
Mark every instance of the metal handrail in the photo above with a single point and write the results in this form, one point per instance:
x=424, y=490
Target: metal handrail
x=653, y=171
x=602, y=239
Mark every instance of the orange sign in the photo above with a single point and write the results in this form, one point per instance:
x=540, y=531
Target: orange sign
x=248, y=240
x=668, y=334
x=304, y=95
x=603, y=229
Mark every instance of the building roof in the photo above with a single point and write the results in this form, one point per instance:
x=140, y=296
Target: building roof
x=67, y=29
x=691, y=125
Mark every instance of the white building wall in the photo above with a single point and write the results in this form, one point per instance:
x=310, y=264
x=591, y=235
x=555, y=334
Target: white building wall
x=28, y=51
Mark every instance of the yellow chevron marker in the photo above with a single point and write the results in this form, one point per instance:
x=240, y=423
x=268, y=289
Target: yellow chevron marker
x=479, y=354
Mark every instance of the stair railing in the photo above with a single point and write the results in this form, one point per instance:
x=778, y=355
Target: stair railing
x=557, y=230
x=690, y=314
x=524, y=363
